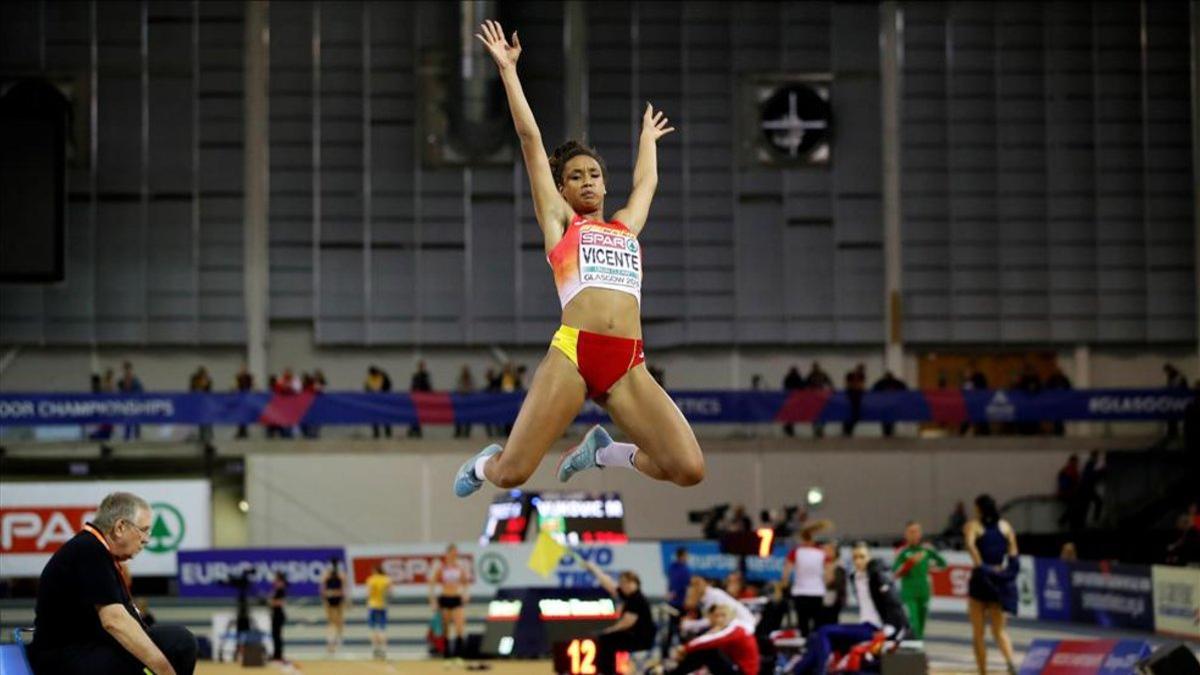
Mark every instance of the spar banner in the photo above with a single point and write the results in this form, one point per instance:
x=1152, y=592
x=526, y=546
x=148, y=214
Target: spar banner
x=1084, y=657
x=718, y=407
x=214, y=573
x=1177, y=601
x=36, y=518
x=497, y=566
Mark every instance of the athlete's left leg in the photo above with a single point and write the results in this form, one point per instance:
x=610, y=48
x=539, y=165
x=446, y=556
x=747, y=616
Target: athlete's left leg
x=667, y=447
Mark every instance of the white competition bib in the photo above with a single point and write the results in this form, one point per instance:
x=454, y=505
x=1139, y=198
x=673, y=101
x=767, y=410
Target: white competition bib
x=609, y=258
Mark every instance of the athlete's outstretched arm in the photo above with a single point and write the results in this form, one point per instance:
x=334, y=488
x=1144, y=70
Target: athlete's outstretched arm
x=551, y=209
x=645, y=172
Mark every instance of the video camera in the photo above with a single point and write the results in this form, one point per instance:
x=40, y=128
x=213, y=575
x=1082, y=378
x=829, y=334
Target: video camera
x=710, y=519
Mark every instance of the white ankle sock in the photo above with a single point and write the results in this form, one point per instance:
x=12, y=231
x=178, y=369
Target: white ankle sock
x=617, y=454
x=479, y=467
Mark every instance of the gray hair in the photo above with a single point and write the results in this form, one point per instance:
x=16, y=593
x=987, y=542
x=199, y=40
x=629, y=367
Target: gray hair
x=118, y=506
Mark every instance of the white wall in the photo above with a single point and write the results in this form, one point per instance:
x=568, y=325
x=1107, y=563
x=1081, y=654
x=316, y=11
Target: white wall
x=870, y=487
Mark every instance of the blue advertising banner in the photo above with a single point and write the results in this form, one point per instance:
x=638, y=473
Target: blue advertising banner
x=207, y=573
x=1052, y=578
x=705, y=559
x=701, y=407
x=1112, y=595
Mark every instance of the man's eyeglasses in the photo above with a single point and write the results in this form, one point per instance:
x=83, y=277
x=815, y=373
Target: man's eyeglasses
x=144, y=530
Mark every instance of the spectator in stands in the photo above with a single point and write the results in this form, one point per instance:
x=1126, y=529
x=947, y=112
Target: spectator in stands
x=378, y=382
x=1066, y=487
x=466, y=385
x=679, y=575
x=85, y=618
x=1058, y=381
x=1087, y=502
x=756, y=381
x=818, y=380
x=243, y=383
x=102, y=385
x=887, y=383
x=974, y=380
x=130, y=384
x=1030, y=384
x=793, y=381
x=312, y=383
x=1175, y=380
x=856, y=386
x=492, y=386
x=287, y=384
x=201, y=383
x=419, y=383
x=509, y=384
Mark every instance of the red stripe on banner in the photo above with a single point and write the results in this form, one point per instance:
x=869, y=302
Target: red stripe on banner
x=433, y=408
x=286, y=411
x=946, y=406
x=803, y=406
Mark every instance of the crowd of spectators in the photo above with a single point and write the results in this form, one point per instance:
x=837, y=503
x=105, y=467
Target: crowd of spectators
x=511, y=377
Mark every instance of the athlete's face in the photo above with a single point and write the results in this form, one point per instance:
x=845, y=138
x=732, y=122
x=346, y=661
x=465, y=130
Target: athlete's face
x=912, y=534
x=130, y=537
x=583, y=184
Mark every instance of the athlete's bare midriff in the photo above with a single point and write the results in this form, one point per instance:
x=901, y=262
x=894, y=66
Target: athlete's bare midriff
x=604, y=311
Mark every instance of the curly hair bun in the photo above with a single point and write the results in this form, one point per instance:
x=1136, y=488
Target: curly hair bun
x=566, y=152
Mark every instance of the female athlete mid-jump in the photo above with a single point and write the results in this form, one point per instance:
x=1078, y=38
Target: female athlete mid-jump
x=597, y=352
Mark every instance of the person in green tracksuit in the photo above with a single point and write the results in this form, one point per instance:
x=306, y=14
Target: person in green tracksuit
x=912, y=569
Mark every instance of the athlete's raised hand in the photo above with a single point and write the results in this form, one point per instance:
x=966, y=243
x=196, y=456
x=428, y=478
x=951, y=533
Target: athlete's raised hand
x=654, y=124
x=492, y=37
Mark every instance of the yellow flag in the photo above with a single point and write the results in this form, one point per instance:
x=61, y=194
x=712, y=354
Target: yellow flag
x=546, y=554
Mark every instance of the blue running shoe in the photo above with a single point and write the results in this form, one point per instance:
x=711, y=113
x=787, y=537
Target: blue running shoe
x=465, y=482
x=583, y=456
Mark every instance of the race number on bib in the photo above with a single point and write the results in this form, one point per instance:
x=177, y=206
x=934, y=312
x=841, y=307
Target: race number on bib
x=609, y=258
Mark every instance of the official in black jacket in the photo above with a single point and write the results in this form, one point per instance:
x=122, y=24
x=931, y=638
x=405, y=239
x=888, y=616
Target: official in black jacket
x=879, y=610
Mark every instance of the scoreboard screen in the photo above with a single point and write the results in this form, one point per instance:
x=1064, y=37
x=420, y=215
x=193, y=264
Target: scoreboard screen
x=508, y=518
x=582, y=517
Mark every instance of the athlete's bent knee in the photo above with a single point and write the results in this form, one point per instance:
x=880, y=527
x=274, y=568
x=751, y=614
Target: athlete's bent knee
x=689, y=473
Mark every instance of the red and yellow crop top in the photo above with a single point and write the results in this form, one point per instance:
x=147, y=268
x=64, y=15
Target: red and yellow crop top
x=596, y=255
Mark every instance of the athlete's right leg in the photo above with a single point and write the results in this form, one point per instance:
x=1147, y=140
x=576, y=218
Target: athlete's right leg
x=553, y=402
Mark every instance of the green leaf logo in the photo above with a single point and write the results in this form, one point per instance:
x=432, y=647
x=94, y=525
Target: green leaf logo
x=166, y=533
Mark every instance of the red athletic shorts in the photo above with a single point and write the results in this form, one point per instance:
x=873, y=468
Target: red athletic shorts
x=601, y=359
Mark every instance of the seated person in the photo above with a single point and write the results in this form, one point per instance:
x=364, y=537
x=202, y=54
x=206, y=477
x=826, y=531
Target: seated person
x=879, y=611
x=728, y=648
x=701, y=596
x=86, y=622
x=634, y=631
